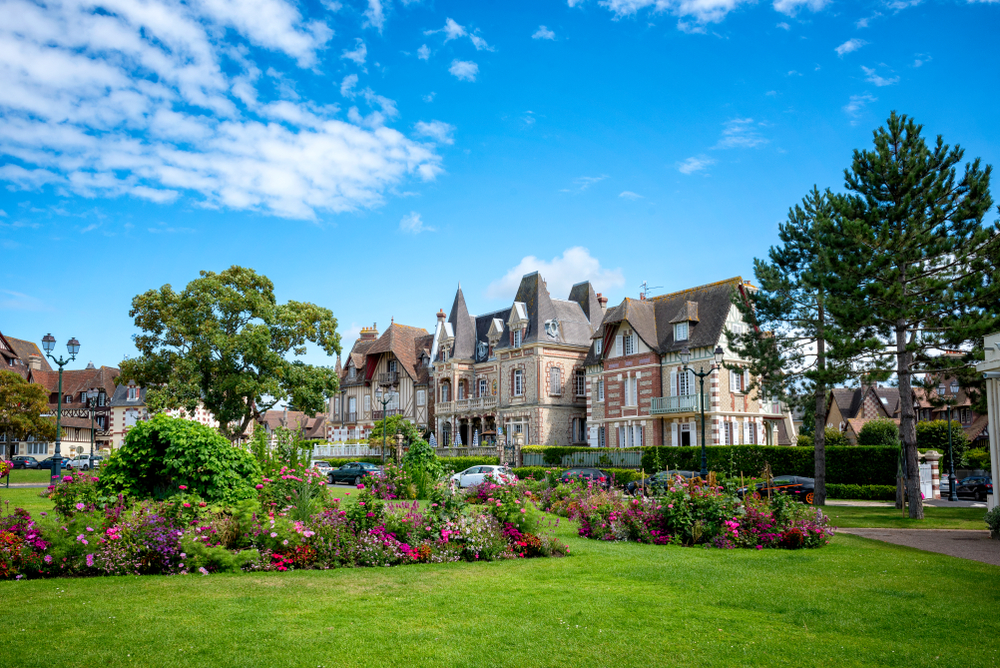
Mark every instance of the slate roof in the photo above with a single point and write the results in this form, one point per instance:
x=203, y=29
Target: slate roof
x=357, y=357
x=978, y=426
x=120, y=397
x=463, y=327
x=584, y=295
x=851, y=400
x=705, y=307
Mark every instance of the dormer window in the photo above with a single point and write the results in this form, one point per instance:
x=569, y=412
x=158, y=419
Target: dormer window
x=351, y=373
x=516, y=339
x=597, y=346
x=681, y=331
x=133, y=393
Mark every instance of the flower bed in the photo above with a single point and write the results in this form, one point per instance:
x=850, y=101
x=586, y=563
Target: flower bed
x=292, y=524
x=691, y=514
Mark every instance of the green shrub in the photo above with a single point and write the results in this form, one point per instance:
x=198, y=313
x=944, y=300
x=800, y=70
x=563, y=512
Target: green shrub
x=992, y=519
x=879, y=432
x=804, y=441
x=456, y=464
x=933, y=435
x=835, y=438
x=160, y=455
x=864, y=492
x=979, y=459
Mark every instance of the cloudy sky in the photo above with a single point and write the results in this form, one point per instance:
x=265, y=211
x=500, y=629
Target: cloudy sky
x=369, y=155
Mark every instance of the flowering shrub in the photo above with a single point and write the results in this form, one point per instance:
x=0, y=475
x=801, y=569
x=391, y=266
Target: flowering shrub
x=394, y=483
x=5, y=467
x=78, y=492
x=297, y=492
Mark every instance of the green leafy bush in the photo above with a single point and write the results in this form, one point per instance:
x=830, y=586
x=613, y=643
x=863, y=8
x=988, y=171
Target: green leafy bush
x=934, y=435
x=165, y=453
x=979, y=459
x=456, y=464
x=992, y=519
x=835, y=438
x=863, y=492
x=879, y=432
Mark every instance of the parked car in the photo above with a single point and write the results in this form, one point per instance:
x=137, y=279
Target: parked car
x=976, y=487
x=582, y=473
x=49, y=461
x=476, y=474
x=353, y=472
x=797, y=486
x=658, y=482
x=321, y=465
x=84, y=462
x=24, y=462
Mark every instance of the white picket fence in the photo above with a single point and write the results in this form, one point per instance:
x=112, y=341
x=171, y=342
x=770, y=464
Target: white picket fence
x=344, y=450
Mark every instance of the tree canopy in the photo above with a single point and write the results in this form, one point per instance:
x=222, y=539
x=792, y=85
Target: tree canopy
x=225, y=342
x=22, y=409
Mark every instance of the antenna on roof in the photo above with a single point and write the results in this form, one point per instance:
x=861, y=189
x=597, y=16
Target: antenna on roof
x=645, y=288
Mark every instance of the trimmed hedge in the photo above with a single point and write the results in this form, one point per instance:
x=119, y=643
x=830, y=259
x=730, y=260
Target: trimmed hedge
x=858, y=464
x=621, y=476
x=456, y=464
x=864, y=492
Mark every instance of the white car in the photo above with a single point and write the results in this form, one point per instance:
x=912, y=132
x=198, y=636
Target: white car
x=83, y=462
x=476, y=474
x=321, y=465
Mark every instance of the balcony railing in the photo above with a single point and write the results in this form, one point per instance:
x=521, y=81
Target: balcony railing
x=388, y=378
x=467, y=405
x=685, y=403
x=389, y=412
x=351, y=417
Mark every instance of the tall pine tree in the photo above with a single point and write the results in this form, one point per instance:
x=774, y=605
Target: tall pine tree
x=913, y=259
x=794, y=346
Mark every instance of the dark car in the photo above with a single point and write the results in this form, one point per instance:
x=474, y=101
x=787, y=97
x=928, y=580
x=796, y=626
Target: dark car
x=798, y=486
x=49, y=461
x=658, y=483
x=24, y=462
x=596, y=476
x=353, y=472
x=976, y=487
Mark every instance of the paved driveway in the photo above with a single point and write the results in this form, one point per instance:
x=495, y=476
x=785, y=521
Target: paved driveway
x=974, y=545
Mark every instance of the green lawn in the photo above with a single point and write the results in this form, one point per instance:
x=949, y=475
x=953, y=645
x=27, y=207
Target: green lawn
x=889, y=517
x=23, y=497
x=855, y=602
x=28, y=475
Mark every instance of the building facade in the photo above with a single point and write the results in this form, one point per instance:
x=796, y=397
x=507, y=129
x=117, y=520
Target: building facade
x=638, y=392
x=128, y=406
x=520, y=368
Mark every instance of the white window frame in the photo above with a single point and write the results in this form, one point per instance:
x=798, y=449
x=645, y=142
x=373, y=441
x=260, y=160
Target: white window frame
x=391, y=365
x=580, y=383
x=518, y=389
x=555, y=381
x=598, y=344
x=352, y=406
x=368, y=403
x=517, y=338
x=629, y=344
x=445, y=392
x=600, y=390
x=460, y=391
x=484, y=387
x=680, y=331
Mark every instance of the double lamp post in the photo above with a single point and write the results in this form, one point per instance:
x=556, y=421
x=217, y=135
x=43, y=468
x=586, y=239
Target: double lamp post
x=685, y=356
x=73, y=347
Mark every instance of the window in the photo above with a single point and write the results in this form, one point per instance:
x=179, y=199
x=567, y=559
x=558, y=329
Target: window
x=518, y=385
x=686, y=434
x=68, y=399
x=446, y=434
x=685, y=383
x=516, y=338
x=752, y=437
x=601, y=438
x=368, y=402
x=483, y=387
x=101, y=398
x=36, y=448
x=628, y=344
x=445, y=392
x=392, y=366
x=965, y=415
x=954, y=387
x=728, y=429
x=133, y=393
x=631, y=391
x=681, y=331
x=460, y=394
x=580, y=383
x=579, y=430
x=737, y=381
x=598, y=344
x=352, y=408
x=555, y=381
x=351, y=373
x=600, y=390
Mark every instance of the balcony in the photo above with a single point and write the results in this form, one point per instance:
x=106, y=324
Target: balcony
x=387, y=378
x=467, y=405
x=388, y=413
x=351, y=417
x=685, y=403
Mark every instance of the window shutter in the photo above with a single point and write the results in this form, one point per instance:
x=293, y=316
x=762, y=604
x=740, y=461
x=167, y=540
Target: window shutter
x=511, y=382
x=618, y=345
x=673, y=434
x=746, y=380
x=734, y=385
x=673, y=382
x=746, y=431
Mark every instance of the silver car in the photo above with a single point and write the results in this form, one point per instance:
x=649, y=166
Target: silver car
x=476, y=474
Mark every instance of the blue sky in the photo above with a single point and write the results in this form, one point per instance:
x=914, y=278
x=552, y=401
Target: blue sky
x=367, y=155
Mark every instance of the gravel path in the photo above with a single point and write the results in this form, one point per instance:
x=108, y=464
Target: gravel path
x=964, y=544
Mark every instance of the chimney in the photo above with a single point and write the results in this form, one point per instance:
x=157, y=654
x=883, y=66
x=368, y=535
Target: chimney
x=602, y=300
x=441, y=316
x=369, y=333
x=35, y=362
x=642, y=296
x=90, y=367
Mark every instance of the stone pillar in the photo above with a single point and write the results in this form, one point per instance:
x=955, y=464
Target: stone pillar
x=933, y=457
x=518, y=442
x=399, y=448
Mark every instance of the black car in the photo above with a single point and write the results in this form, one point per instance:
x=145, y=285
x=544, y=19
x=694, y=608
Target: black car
x=976, y=487
x=24, y=462
x=658, y=483
x=597, y=476
x=798, y=486
x=353, y=472
x=49, y=461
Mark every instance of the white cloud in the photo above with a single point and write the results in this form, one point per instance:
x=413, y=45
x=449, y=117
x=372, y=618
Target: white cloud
x=543, y=33
x=573, y=3
x=695, y=163
x=740, y=133
x=865, y=22
x=560, y=273
x=158, y=99
x=348, y=84
x=921, y=58
x=783, y=26
x=480, y=43
x=359, y=53
x=701, y=11
x=857, y=104
x=791, y=7
x=429, y=97
x=849, y=46
x=423, y=53
x=452, y=30
x=411, y=223
x=628, y=194
x=583, y=183
x=466, y=70
x=439, y=131
x=374, y=15
x=873, y=77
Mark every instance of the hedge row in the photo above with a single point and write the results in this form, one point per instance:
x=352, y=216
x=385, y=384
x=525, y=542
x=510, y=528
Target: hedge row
x=858, y=464
x=620, y=476
x=457, y=464
x=865, y=492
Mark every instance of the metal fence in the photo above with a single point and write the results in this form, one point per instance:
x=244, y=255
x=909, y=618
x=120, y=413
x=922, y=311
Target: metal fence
x=598, y=457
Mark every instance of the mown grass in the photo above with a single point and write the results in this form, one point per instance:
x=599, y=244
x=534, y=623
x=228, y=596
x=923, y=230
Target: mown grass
x=28, y=475
x=890, y=518
x=24, y=497
x=855, y=602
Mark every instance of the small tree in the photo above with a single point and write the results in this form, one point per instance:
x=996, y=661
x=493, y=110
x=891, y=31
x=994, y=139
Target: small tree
x=22, y=408
x=835, y=437
x=913, y=260
x=879, y=432
x=933, y=435
x=394, y=424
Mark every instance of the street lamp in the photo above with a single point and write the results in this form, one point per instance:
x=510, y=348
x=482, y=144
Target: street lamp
x=92, y=395
x=685, y=355
x=952, y=482
x=385, y=398
x=73, y=347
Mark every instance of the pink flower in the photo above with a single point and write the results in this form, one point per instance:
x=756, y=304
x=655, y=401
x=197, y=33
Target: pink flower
x=361, y=503
x=182, y=487
x=202, y=504
x=48, y=559
x=361, y=486
x=187, y=505
x=90, y=560
x=284, y=542
x=202, y=570
x=80, y=506
x=274, y=535
x=67, y=478
x=523, y=510
x=260, y=486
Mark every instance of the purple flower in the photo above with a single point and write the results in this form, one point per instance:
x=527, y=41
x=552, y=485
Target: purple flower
x=274, y=535
x=48, y=559
x=90, y=560
x=202, y=570
x=80, y=506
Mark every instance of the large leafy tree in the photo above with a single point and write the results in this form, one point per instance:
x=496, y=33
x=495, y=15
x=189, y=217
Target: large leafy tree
x=794, y=346
x=225, y=342
x=915, y=261
x=22, y=410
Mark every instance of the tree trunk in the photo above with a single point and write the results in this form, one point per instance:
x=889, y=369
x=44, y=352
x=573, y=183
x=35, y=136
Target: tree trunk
x=907, y=423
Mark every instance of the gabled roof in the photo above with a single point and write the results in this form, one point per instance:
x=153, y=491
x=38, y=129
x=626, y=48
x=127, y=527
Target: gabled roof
x=400, y=341
x=978, y=426
x=78, y=380
x=120, y=397
x=25, y=349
